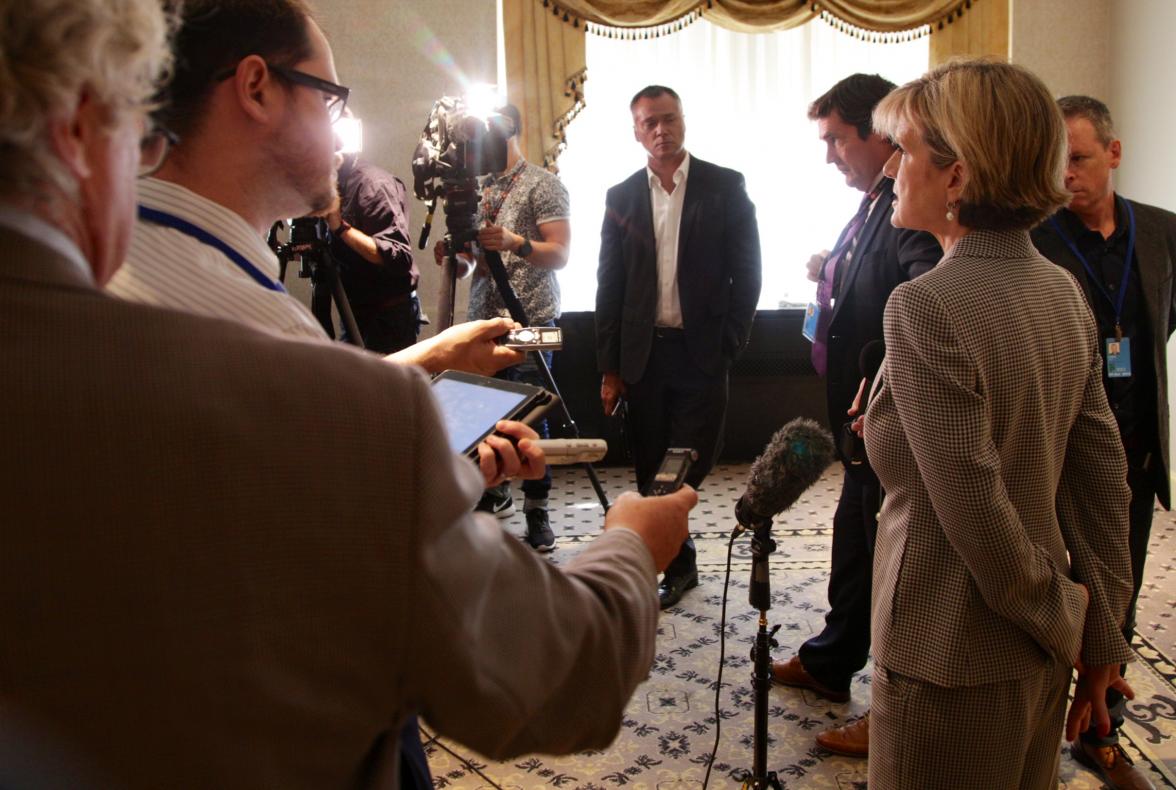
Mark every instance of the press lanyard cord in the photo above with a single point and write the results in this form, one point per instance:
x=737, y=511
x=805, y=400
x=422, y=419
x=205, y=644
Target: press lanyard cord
x=1118, y=302
x=204, y=237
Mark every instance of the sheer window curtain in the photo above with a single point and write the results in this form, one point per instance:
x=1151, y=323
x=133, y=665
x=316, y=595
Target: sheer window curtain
x=746, y=98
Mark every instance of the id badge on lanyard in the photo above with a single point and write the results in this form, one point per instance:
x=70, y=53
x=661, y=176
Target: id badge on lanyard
x=1117, y=348
x=812, y=314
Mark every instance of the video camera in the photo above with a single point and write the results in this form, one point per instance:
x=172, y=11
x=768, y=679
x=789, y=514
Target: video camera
x=457, y=148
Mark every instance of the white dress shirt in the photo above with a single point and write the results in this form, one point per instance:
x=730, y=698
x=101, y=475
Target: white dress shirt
x=667, y=222
x=169, y=268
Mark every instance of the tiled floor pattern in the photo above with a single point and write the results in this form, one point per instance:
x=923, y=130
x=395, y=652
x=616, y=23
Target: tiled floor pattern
x=669, y=727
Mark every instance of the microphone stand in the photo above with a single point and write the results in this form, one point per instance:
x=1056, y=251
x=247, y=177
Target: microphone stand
x=760, y=597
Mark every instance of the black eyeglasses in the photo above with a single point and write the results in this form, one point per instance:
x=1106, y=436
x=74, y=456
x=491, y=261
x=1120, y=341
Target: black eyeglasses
x=335, y=95
x=154, y=146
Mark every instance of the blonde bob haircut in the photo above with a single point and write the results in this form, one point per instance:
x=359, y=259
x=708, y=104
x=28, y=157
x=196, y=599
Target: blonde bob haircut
x=1000, y=121
x=53, y=52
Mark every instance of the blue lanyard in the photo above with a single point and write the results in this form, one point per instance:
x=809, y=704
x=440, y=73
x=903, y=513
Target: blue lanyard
x=1116, y=303
x=204, y=237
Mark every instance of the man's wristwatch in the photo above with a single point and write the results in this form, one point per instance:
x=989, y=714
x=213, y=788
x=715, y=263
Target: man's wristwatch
x=343, y=226
x=524, y=249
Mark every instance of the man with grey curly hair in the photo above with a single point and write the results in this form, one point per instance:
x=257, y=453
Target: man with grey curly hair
x=74, y=81
x=177, y=608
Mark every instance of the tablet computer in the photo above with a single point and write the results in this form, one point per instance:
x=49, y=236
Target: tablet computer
x=472, y=405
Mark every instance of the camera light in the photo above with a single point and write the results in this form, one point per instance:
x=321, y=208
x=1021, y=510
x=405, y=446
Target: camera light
x=349, y=132
x=481, y=99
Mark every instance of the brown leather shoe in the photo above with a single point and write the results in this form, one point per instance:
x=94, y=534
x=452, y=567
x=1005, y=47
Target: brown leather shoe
x=792, y=673
x=852, y=740
x=1112, y=765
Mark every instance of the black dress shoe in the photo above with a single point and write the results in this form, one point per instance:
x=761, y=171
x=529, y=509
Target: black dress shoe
x=672, y=588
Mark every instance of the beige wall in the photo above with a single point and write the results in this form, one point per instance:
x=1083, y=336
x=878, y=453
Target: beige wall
x=1066, y=42
x=393, y=56
x=1144, y=58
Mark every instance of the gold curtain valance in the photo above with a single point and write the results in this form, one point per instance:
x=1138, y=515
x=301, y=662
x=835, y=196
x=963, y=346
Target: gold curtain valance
x=759, y=16
x=545, y=42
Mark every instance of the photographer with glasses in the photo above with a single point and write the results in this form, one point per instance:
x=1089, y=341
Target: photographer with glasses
x=244, y=138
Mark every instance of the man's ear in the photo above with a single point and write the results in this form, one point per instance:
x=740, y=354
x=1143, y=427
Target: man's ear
x=73, y=135
x=253, y=87
x=1116, y=151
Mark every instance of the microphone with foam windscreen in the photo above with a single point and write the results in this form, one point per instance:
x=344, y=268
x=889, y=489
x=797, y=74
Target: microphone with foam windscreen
x=792, y=461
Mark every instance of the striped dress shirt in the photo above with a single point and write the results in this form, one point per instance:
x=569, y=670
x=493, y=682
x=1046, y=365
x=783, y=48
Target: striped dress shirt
x=168, y=268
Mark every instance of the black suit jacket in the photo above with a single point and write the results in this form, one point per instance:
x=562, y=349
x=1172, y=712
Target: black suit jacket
x=1155, y=254
x=884, y=257
x=718, y=271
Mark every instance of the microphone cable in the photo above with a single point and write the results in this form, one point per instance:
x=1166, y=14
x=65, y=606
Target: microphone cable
x=436, y=740
x=722, y=657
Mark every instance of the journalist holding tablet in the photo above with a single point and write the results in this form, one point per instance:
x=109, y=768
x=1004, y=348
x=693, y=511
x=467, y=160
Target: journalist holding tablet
x=182, y=604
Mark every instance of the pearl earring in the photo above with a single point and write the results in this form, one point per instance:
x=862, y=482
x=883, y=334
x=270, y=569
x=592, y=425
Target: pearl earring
x=950, y=215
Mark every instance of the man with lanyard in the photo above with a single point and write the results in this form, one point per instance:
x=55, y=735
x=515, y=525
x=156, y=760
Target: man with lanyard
x=241, y=164
x=854, y=281
x=370, y=242
x=524, y=217
x=1123, y=254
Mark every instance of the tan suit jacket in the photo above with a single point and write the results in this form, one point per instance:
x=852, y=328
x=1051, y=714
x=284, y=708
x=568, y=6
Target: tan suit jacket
x=1004, y=475
x=229, y=559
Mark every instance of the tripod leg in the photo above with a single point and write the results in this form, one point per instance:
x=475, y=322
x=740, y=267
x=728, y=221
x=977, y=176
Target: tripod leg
x=345, y=312
x=570, y=424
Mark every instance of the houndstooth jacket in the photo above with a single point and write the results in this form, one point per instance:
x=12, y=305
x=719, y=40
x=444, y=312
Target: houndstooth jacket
x=1004, y=475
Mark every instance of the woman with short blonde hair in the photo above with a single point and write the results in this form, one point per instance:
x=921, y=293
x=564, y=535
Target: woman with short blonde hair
x=1001, y=555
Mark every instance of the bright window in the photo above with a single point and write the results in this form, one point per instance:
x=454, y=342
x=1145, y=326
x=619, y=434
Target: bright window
x=746, y=99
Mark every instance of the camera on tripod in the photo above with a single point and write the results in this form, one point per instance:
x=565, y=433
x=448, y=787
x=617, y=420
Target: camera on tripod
x=457, y=147
x=307, y=241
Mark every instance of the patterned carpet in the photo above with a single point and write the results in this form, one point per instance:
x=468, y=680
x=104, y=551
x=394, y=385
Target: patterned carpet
x=669, y=727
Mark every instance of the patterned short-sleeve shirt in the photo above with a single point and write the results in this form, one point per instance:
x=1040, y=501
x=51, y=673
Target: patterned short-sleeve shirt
x=520, y=200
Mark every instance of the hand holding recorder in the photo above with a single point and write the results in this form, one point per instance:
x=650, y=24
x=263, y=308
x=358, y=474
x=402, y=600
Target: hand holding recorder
x=660, y=521
x=471, y=347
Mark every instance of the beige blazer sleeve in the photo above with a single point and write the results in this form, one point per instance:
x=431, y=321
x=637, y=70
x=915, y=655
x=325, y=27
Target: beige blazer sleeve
x=511, y=654
x=1092, y=478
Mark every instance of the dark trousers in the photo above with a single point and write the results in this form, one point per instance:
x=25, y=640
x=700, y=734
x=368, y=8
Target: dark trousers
x=675, y=404
x=387, y=330
x=1141, y=481
x=841, y=649
x=528, y=372
x=414, y=765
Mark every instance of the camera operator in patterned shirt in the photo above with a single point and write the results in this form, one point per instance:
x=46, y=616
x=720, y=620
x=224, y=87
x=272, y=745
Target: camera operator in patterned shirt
x=523, y=216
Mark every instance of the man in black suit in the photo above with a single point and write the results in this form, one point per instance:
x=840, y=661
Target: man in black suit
x=1123, y=253
x=854, y=281
x=678, y=283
